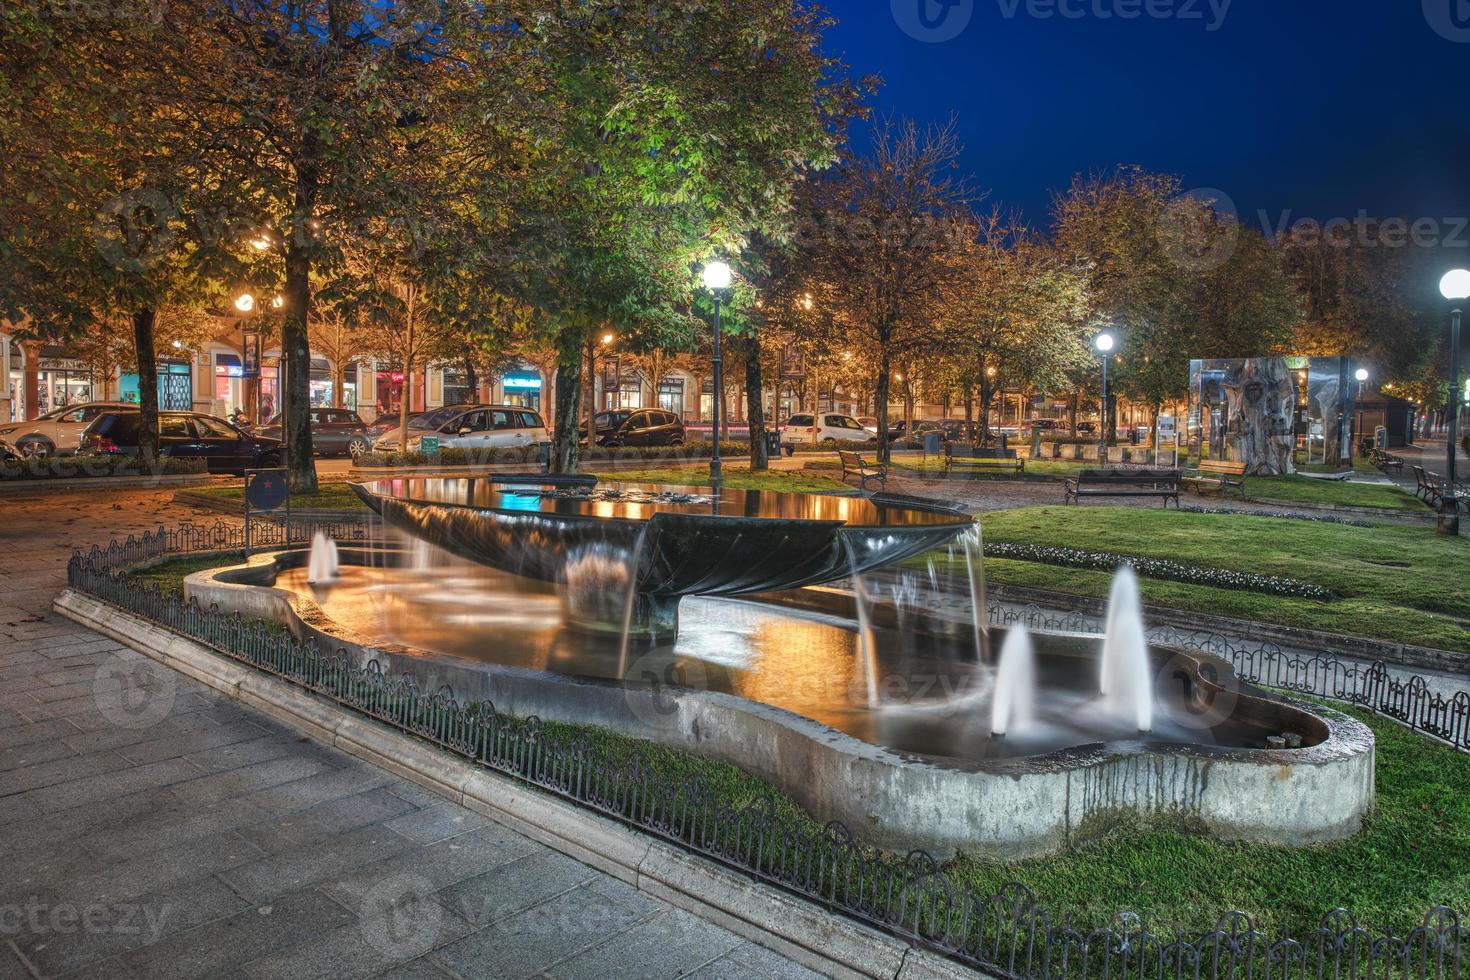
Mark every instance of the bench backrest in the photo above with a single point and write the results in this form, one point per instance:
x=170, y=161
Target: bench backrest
x=1129, y=477
x=970, y=452
x=1221, y=466
x=851, y=460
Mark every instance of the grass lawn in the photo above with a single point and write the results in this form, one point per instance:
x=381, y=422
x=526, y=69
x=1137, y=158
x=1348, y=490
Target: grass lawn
x=1413, y=853
x=737, y=477
x=1393, y=582
x=1305, y=490
x=329, y=496
x=168, y=576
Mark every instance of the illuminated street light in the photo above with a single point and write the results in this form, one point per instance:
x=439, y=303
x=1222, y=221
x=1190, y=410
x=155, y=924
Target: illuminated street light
x=245, y=303
x=1104, y=343
x=717, y=279
x=1456, y=288
x=717, y=276
x=278, y=302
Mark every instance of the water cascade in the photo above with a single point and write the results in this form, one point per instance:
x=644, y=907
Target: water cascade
x=867, y=642
x=1013, y=708
x=974, y=544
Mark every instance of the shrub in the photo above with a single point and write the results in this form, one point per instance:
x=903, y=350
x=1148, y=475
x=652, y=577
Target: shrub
x=74, y=467
x=1165, y=569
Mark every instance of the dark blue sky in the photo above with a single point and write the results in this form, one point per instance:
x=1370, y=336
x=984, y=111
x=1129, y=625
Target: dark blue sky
x=1318, y=108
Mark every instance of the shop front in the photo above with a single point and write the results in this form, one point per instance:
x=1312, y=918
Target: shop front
x=324, y=385
x=63, y=381
x=522, y=388
x=391, y=386
x=175, y=386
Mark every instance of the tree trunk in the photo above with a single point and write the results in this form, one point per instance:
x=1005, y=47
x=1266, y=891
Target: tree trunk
x=970, y=413
x=885, y=368
x=565, y=449
x=755, y=411
x=339, y=385
x=473, y=378
x=296, y=354
x=987, y=395
x=143, y=323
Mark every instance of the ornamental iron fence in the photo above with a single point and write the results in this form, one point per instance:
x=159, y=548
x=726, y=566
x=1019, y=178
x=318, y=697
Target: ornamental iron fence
x=1006, y=933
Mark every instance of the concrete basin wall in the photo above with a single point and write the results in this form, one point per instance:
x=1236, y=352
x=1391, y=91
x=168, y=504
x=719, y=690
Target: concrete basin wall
x=1001, y=809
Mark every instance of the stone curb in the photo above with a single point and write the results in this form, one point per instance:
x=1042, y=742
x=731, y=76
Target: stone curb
x=831, y=944
x=16, y=486
x=204, y=501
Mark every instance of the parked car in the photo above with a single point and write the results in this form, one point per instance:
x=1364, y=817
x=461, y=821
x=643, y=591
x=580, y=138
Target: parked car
x=387, y=422
x=7, y=454
x=637, y=427
x=58, y=432
x=869, y=423
x=803, y=429
x=1043, y=425
x=334, y=432
x=899, y=431
x=185, y=435
x=471, y=427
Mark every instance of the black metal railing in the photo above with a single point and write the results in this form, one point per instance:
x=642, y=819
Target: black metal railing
x=1005, y=933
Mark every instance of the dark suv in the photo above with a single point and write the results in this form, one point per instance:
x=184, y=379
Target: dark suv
x=185, y=435
x=334, y=432
x=638, y=427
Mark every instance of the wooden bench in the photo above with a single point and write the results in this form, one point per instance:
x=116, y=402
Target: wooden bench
x=1430, y=489
x=1217, y=476
x=970, y=459
x=1387, y=461
x=1124, y=483
x=853, y=465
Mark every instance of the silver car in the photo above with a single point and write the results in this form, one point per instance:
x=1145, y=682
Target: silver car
x=59, y=431
x=471, y=427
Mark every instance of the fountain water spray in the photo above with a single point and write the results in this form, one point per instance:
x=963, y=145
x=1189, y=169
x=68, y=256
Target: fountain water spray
x=867, y=642
x=974, y=544
x=323, y=568
x=1013, y=707
x=1124, y=674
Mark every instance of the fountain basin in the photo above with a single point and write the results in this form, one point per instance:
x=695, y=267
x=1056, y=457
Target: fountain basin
x=894, y=792
x=689, y=542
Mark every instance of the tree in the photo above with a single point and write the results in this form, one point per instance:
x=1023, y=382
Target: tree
x=887, y=231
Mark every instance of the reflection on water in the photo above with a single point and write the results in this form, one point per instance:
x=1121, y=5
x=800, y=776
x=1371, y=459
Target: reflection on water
x=935, y=696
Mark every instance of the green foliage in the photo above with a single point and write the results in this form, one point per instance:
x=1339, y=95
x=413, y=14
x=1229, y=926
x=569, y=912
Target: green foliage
x=87, y=467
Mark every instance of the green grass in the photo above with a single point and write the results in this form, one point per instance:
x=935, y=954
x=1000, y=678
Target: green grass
x=1413, y=853
x=1305, y=490
x=329, y=496
x=1054, y=468
x=737, y=477
x=1393, y=582
x=168, y=576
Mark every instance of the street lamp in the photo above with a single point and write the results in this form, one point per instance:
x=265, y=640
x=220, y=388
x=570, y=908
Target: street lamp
x=245, y=303
x=717, y=277
x=1362, y=376
x=1456, y=288
x=1104, y=343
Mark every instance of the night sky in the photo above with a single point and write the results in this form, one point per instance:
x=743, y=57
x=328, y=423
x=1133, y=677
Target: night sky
x=1313, y=108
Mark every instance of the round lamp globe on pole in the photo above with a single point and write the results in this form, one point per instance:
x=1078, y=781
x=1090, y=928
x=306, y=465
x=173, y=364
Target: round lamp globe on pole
x=717, y=278
x=1456, y=284
x=1362, y=375
x=244, y=302
x=1104, y=343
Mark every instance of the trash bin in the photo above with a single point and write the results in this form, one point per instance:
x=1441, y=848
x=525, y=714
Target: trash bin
x=773, y=445
x=933, y=443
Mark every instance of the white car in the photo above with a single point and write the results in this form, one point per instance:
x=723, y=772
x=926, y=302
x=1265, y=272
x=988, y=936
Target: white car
x=59, y=431
x=471, y=427
x=801, y=429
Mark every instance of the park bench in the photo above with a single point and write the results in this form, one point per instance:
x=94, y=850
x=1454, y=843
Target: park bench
x=1217, y=476
x=971, y=459
x=1429, y=487
x=1124, y=483
x=1387, y=461
x=854, y=465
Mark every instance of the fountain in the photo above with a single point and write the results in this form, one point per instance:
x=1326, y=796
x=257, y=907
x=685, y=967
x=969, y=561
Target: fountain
x=1124, y=676
x=325, y=566
x=771, y=631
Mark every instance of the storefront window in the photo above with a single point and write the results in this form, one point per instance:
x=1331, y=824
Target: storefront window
x=175, y=386
x=62, y=382
x=457, y=390
x=671, y=396
x=628, y=395
x=390, y=389
x=522, y=388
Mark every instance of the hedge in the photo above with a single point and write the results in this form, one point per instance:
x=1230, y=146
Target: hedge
x=1164, y=569
x=74, y=467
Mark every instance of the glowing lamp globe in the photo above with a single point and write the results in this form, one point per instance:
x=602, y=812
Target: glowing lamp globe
x=245, y=302
x=1105, y=342
x=1456, y=284
x=717, y=275
x=1362, y=374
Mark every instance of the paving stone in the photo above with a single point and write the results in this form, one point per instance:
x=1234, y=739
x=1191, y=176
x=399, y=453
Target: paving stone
x=162, y=870
x=366, y=947
x=59, y=771
x=441, y=864
x=725, y=968
x=63, y=825
x=170, y=825
x=661, y=948
x=291, y=870
x=506, y=890
x=527, y=943
x=770, y=963
x=38, y=731
x=195, y=745
x=325, y=820
x=239, y=782
x=32, y=754
x=109, y=785
x=320, y=786
x=438, y=822
x=423, y=968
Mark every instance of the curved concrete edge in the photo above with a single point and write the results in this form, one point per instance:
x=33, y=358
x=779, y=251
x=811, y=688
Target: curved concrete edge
x=791, y=926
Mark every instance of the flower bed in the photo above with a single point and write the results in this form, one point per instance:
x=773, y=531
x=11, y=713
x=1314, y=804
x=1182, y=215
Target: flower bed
x=1160, y=568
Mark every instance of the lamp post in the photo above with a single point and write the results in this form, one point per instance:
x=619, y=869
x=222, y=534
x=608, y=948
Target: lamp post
x=1456, y=288
x=1362, y=377
x=1104, y=343
x=717, y=278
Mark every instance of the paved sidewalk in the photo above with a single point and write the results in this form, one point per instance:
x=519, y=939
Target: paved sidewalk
x=162, y=830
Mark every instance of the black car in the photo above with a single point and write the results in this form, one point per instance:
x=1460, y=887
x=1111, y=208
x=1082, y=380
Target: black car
x=638, y=427
x=185, y=435
x=334, y=432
